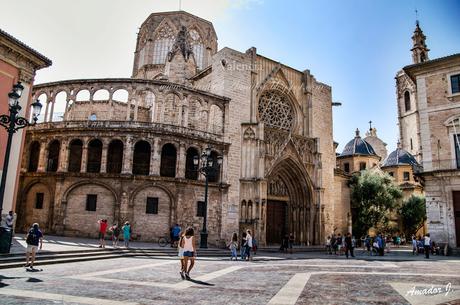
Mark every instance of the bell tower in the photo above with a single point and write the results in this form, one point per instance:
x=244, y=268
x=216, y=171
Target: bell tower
x=419, y=49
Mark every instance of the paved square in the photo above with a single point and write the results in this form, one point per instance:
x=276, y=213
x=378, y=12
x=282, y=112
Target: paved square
x=267, y=280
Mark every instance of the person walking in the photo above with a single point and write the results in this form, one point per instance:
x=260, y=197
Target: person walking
x=248, y=245
x=353, y=246
x=334, y=243
x=233, y=245
x=427, y=245
x=126, y=234
x=189, y=251
x=175, y=232
x=414, y=245
x=102, y=230
x=115, y=230
x=339, y=242
x=33, y=239
x=328, y=245
x=291, y=242
x=9, y=224
x=243, y=246
x=348, y=245
x=180, y=249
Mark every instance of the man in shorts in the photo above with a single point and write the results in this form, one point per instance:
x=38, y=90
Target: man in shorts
x=33, y=239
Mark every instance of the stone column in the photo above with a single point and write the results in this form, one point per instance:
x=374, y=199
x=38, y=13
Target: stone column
x=155, y=158
x=136, y=108
x=63, y=155
x=52, y=111
x=181, y=162
x=104, y=157
x=84, y=156
x=42, y=158
x=45, y=118
x=128, y=156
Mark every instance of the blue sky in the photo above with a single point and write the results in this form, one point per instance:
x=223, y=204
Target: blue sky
x=355, y=46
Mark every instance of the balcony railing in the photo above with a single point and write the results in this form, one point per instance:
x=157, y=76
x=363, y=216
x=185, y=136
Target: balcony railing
x=143, y=126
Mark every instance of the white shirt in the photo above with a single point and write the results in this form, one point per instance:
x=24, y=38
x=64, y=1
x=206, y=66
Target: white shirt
x=188, y=244
x=249, y=240
x=9, y=220
x=427, y=241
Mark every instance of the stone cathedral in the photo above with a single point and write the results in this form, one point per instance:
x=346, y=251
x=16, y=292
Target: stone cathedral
x=123, y=148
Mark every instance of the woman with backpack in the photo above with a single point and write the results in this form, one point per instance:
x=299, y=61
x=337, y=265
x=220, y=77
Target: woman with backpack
x=33, y=238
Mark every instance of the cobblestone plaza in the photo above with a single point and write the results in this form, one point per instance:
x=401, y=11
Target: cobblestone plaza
x=313, y=278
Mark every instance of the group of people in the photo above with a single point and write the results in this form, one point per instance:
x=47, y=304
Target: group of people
x=248, y=243
x=115, y=232
x=424, y=245
x=341, y=244
x=287, y=243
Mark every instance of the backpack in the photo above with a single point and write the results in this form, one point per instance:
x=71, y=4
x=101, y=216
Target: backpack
x=32, y=238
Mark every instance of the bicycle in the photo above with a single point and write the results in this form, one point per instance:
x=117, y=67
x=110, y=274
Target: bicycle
x=164, y=240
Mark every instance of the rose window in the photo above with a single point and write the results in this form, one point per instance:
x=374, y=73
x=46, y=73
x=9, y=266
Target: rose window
x=275, y=110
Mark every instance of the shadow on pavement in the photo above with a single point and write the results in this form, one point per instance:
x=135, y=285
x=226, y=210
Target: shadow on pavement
x=34, y=280
x=200, y=282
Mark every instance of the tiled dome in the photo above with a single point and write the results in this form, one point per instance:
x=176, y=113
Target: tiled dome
x=358, y=146
x=400, y=157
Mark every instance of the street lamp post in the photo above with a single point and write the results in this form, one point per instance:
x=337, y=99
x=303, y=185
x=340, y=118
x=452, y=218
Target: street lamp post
x=13, y=123
x=207, y=167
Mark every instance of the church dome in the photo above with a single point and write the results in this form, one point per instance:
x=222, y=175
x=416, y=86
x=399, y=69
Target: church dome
x=400, y=157
x=358, y=146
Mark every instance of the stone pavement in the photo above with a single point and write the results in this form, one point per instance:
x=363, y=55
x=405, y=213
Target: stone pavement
x=269, y=279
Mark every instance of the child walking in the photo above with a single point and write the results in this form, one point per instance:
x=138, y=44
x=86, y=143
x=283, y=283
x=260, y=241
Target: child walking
x=233, y=246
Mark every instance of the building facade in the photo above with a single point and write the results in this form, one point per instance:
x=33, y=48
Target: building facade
x=18, y=63
x=428, y=97
x=123, y=149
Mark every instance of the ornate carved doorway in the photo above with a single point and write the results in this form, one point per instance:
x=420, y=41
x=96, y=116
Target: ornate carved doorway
x=289, y=200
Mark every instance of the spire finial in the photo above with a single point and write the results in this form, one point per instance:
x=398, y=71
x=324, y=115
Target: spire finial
x=357, y=132
x=398, y=145
x=416, y=17
x=370, y=125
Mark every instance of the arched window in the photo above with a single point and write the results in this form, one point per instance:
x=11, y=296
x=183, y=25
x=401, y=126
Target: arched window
x=34, y=155
x=243, y=210
x=215, y=174
x=407, y=100
x=141, y=158
x=162, y=45
x=75, y=153
x=53, y=156
x=94, y=156
x=171, y=109
x=115, y=157
x=168, y=161
x=197, y=48
x=190, y=172
x=275, y=110
x=250, y=216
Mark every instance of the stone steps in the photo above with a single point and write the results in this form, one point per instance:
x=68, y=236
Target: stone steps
x=46, y=258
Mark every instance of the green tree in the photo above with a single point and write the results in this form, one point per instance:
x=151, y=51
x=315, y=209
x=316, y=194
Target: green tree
x=373, y=197
x=413, y=214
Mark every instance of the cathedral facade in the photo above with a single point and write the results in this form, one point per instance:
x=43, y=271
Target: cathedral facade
x=123, y=148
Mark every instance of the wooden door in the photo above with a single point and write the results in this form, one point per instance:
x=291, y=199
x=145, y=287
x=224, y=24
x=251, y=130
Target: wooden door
x=276, y=221
x=456, y=196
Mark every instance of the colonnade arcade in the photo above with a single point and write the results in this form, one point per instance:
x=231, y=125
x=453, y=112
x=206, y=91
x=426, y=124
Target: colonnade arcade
x=127, y=155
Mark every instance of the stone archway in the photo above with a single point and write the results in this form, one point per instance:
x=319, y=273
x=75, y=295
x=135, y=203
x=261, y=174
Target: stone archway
x=289, y=202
